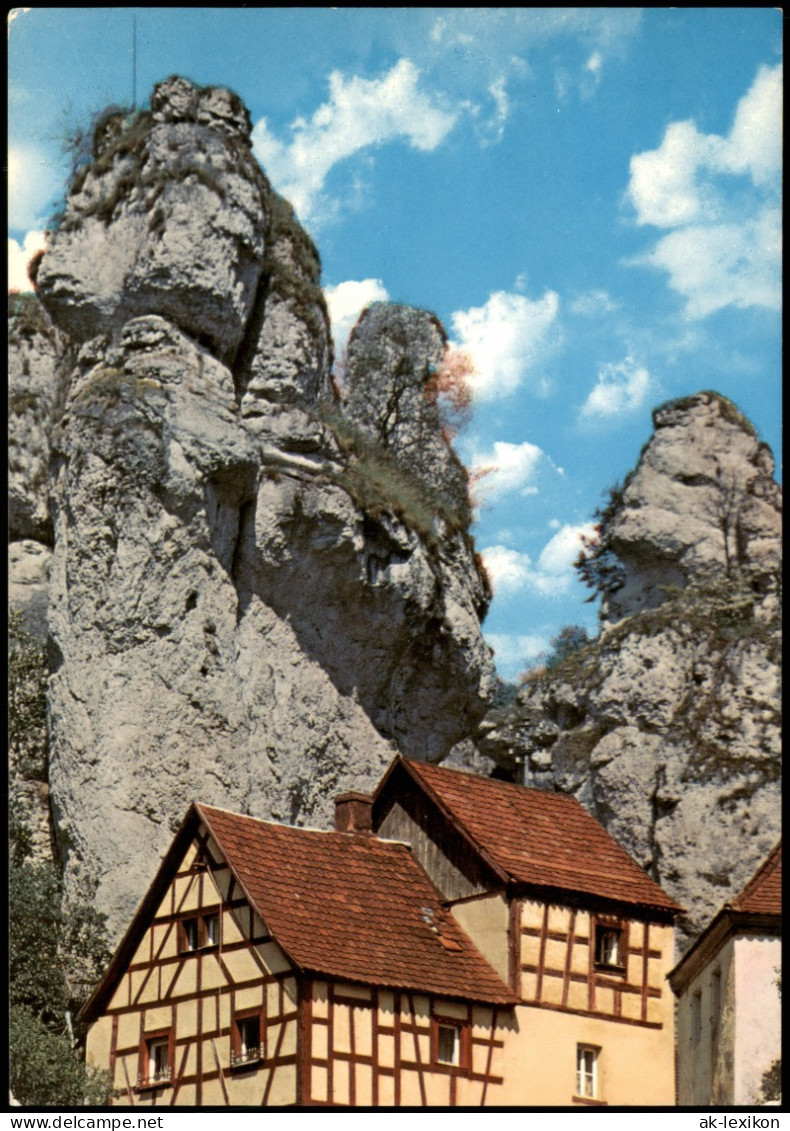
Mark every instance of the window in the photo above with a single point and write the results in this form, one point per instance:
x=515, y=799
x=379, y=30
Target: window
x=448, y=1044
x=199, y=931
x=609, y=945
x=189, y=934
x=696, y=1017
x=715, y=1003
x=587, y=1071
x=246, y=1046
x=450, y=1041
x=155, y=1060
x=211, y=928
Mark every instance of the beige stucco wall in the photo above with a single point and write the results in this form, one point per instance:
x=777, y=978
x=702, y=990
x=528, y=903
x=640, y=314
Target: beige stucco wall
x=758, y=1014
x=706, y=1065
x=485, y=920
x=635, y=1064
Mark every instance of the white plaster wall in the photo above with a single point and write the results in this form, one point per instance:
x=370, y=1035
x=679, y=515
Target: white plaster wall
x=758, y=1013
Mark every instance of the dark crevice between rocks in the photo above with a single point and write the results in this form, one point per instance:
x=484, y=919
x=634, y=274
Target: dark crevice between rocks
x=245, y=355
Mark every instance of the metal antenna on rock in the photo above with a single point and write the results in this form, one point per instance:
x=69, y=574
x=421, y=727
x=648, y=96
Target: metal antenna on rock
x=134, y=60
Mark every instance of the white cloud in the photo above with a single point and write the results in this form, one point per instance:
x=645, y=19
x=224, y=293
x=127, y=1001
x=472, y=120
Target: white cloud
x=346, y=301
x=506, y=338
x=32, y=183
x=509, y=467
x=721, y=195
x=592, y=304
x=359, y=113
x=552, y=575
x=720, y=265
x=513, y=651
x=621, y=388
x=19, y=257
x=558, y=555
x=508, y=569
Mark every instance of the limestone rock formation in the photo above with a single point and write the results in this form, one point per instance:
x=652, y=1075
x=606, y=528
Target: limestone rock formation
x=249, y=603
x=702, y=503
x=667, y=727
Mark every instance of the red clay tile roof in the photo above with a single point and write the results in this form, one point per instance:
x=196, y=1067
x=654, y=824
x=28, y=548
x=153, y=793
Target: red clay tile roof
x=540, y=838
x=353, y=907
x=763, y=893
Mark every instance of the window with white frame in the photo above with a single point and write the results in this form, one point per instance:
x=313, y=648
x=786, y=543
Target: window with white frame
x=448, y=1044
x=246, y=1046
x=155, y=1060
x=609, y=945
x=587, y=1083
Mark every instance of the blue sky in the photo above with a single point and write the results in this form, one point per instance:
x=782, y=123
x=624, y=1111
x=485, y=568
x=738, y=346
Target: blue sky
x=588, y=198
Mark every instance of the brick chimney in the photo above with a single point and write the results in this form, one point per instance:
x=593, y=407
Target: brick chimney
x=353, y=813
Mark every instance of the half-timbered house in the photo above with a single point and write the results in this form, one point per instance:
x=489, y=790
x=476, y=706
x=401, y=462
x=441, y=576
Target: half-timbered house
x=578, y=930
x=455, y=941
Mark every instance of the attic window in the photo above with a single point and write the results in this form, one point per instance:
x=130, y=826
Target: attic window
x=190, y=933
x=199, y=931
x=609, y=945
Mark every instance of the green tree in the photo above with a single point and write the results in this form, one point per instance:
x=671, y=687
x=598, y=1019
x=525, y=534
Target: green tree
x=568, y=641
x=57, y=950
x=27, y=701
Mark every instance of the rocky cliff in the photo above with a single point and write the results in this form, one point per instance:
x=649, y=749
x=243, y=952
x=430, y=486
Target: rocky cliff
x=253, y=598
x=667, y=727
x=254, y=586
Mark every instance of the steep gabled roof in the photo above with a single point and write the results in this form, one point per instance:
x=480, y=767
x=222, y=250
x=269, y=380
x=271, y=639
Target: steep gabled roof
x=535, y=838
x=353, y=907
x=757, y=909
x=763, y=893
x=341, y=905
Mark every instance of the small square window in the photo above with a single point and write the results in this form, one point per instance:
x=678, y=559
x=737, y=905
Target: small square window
x=587, y=1071
x=609, y=950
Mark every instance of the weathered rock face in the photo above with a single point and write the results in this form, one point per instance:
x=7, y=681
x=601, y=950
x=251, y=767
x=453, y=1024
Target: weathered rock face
x=240, y=610
x=399, y=414
x=170, y=217
x=702, y=503
x=667, y=728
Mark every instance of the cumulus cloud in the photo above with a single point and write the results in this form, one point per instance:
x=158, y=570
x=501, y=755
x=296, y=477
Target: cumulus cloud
x=514, y=651
x=18, y=258
x=359, y=113
x=507, y=467
x=507, y=339
x=720, y=195
x=32, y=182
x=722, y=265
x=621, y=388
x=551, y=576
x=346, y=301
x=509, y=570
